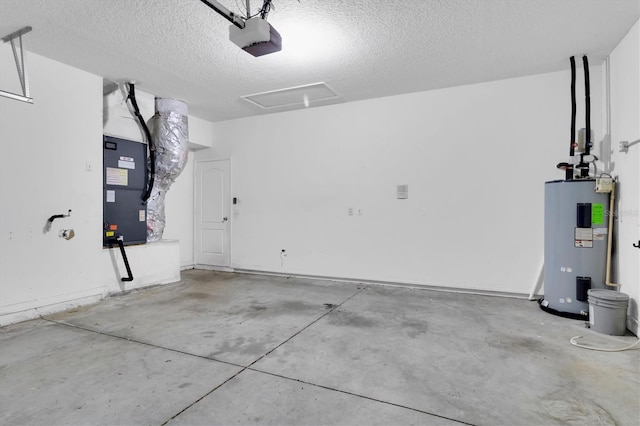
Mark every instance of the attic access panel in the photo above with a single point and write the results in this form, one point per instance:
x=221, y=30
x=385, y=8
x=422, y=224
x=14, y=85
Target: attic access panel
x=301, y=96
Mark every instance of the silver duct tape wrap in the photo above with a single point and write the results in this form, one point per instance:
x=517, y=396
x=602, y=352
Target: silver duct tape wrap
x=171, y=136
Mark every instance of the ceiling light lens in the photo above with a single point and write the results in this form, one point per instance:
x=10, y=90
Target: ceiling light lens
x=308, y=41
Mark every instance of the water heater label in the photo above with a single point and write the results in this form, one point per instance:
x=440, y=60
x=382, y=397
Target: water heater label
x=111, y=196
x=597, y=214
x=117, y=176
x=583, y=237
x=599, y=233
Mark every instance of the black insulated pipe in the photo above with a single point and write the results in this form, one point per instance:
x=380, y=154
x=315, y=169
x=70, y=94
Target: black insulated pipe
x=584, y=167
x=47, y=226
x=58, y=216
x=587, y=108
x=120, y=243
x=572, y=144
x=151, y=170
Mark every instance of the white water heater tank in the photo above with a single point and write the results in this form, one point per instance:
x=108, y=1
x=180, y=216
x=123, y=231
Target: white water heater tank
x=575, y=245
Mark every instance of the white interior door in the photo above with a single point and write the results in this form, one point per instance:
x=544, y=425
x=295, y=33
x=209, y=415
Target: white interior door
x=212, y=218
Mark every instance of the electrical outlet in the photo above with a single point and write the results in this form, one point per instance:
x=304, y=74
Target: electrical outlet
x=359, y=212
x=604, y=185
x=89, y=167
x=350, y=211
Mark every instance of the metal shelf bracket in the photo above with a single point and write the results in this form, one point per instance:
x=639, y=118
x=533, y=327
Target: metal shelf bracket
x=18, y=55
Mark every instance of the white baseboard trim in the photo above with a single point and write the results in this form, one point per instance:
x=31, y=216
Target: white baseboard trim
x=389, y=284
x=214, y=268
x=144, y=286
x=22, y=313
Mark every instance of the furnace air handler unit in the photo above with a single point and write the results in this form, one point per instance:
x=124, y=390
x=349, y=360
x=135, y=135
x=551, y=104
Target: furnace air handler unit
x=575, y=245
x=125, y=177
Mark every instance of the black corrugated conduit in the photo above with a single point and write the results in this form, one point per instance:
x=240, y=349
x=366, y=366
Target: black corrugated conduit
x=587, y=108
x=582, y=166
x=568, y=167
x=572, y=144
x=151, y=166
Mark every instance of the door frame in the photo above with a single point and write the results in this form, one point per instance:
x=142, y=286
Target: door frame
x=195, y=224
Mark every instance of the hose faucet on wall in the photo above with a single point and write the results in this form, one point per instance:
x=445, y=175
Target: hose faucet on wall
x=47, y=226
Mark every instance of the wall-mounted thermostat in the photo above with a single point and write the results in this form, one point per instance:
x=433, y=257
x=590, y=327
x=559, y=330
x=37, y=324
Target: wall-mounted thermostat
x=403, y=192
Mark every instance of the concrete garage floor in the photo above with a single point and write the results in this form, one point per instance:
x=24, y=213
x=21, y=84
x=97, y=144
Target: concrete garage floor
x=222, y=348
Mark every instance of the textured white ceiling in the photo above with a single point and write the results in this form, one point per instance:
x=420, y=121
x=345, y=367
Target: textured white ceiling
x=361, y=48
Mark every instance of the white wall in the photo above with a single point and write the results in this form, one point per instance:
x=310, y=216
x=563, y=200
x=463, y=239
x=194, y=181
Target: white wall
x=45, y=150
x=475, y=159
x=179, y=213
x=625, y=126
x=51, y=161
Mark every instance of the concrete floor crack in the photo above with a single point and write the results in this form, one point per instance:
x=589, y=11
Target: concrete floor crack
x=331, y=309
x=115, y=336
x=359, y=396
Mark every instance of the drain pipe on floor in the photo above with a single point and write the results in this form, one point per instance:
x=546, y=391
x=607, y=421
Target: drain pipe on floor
x=120, y=243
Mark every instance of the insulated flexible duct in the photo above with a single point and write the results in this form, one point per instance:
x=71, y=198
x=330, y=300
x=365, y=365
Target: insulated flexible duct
x=171, y=137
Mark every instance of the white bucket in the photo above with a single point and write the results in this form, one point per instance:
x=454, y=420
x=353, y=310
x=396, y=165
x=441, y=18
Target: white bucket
x=608, y=311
